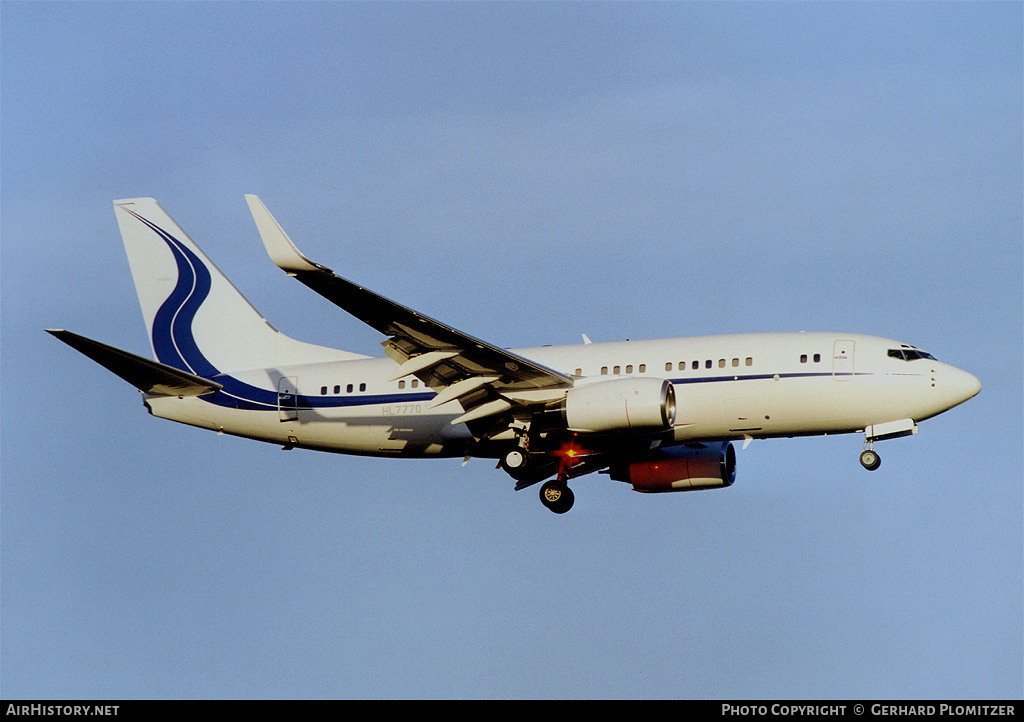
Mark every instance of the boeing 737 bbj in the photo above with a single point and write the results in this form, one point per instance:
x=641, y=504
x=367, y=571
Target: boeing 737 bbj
x=660, y=415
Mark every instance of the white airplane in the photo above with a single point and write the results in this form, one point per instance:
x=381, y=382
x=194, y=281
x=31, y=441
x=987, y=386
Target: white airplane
x=659, y=415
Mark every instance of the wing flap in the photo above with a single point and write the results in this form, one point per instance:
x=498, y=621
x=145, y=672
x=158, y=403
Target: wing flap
x=422, y=362
x=483, y=411
x=460, y=389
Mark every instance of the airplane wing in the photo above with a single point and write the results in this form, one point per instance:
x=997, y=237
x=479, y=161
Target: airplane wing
x=485, y=379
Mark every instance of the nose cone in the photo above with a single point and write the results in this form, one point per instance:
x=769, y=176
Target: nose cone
x=962, y=385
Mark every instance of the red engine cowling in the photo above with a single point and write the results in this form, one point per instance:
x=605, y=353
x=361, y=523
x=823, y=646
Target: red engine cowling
x=621, y=405
x=682, y=468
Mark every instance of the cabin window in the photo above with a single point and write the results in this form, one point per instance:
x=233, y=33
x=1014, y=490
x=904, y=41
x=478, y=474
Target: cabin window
x=817, y=358
x=348, y=389
x=617, y=370
x=629, y=369
x=323, y=390
x=750, y=361
x=362, y=387
x=735, y=362
x=708, y=364
x=337, y=389
x=401, y=384
x=668, y=365
x=721, y=363
x=415, y=383
x=643, y=368
x=604, y=370
x=696, y=365
x=579, y=372
x=803, y=358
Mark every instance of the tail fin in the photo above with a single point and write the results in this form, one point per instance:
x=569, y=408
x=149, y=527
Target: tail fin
x=197, y=321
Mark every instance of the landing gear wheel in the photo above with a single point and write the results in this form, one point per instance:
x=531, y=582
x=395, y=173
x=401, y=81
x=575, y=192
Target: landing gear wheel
x=515, y=461
x=557, y=497
x=870, y=459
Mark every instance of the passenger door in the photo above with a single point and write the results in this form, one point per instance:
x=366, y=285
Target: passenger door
x=842, y=360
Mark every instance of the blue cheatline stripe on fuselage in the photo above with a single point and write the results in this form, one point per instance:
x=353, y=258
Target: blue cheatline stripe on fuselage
x=321, y=402
x=762, y=377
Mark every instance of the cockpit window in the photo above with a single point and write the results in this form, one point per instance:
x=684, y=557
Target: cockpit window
x=910, y=354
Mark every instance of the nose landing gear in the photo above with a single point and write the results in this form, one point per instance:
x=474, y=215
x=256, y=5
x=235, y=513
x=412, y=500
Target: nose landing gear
x=870, y=459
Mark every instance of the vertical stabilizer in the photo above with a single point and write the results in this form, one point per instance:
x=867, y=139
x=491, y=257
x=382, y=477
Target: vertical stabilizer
x=197, y=320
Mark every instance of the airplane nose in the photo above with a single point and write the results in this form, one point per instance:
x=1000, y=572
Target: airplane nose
x=963, y=385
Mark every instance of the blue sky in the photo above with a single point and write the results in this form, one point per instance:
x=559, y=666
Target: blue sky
x=526, y=172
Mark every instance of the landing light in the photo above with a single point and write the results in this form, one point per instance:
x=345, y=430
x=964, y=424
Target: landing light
x=569, y=450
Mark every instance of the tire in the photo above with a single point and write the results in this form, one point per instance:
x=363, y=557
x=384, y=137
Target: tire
x=515, y=460
x=557, y=497
x=870, y=459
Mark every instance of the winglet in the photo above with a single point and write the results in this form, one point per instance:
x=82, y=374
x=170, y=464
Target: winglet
x=279, y=246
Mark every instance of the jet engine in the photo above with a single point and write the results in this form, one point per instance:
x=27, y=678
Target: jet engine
x=621, y=405
x=681, y=468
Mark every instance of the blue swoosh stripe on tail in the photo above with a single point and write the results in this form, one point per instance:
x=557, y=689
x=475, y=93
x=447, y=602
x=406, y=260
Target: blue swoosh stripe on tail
x=174, y=342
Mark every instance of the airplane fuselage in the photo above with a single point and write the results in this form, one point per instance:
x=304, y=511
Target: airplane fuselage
x=727, y=387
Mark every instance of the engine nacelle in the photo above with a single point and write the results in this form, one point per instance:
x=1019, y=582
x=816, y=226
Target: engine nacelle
x=682, y=468
x=621, y=405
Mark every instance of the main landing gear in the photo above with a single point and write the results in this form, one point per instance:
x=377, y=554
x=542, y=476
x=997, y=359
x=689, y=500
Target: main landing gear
x=515, y=461
x=527, y=470
x=557, y=496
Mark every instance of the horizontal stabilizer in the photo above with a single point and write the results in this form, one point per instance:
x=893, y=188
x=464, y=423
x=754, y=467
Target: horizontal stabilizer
x=149, y=376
